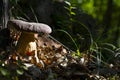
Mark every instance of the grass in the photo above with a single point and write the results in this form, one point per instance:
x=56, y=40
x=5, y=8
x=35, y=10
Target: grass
x=77, y=48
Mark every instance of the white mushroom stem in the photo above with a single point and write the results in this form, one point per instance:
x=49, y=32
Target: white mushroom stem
x=32, y=47
x=27, y=44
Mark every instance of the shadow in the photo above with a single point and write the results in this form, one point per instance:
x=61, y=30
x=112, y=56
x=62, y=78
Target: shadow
x=4, y=38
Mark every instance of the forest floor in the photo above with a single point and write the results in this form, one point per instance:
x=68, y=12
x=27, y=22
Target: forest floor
x=56, y=63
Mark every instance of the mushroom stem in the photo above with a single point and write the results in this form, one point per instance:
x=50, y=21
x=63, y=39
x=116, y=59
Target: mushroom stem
x=25, y=39
x=27, y=45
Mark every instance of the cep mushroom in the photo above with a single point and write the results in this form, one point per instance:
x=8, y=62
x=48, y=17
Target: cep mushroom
x=29, y=31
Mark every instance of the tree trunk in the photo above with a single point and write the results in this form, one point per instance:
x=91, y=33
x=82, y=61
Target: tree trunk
x=108, y=16
x=117, y=36
x=1, y=12
x=5, y=14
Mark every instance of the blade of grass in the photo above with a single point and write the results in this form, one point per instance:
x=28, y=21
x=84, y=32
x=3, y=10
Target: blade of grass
x=77, y=48
x=34, y=14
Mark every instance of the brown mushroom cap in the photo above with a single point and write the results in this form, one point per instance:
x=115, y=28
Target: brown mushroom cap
x=29, y=26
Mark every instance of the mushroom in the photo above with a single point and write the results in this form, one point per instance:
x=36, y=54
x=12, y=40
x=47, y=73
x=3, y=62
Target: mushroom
x=29, y=32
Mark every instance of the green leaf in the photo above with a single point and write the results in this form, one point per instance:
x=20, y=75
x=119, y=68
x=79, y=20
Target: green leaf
x=72, y=13
x=24, y=67
x=67, y=8
x=4, y=72
x=111, y=46
x=78, y=53
x=68, y=3
x=73, y=7
x=109, y=50
x=20, y=72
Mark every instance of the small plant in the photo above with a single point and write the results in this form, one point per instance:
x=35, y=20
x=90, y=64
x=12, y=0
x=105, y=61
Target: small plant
x=77, y=53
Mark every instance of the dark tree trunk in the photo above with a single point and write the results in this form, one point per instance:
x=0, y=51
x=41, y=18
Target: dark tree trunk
x=1, y=12
x=4, y=32
x=117, y=35
x=5, y=14
x=108, y=16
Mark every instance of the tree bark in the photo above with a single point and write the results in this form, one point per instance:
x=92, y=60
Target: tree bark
x=5, y=14
x=117, y=36
x=1, y=12
x=108, y=16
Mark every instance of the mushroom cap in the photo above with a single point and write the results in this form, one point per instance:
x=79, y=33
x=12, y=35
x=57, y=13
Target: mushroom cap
x=29, y=26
